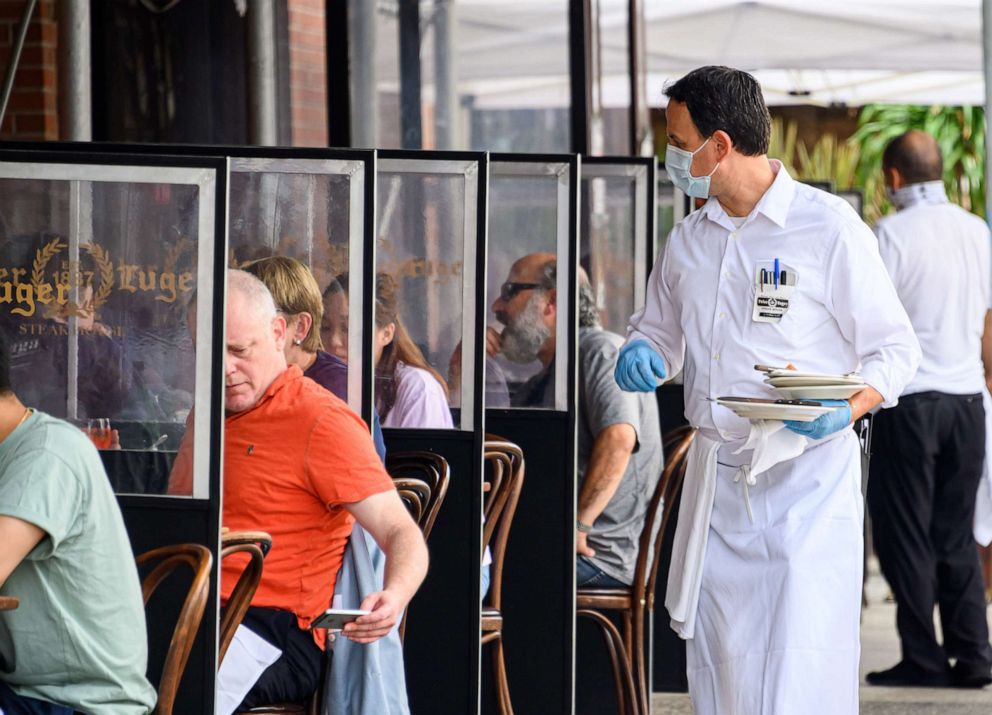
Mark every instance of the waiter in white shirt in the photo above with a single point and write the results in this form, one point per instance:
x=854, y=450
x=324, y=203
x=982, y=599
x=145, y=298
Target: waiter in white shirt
x=929, y=450
x=765, y=583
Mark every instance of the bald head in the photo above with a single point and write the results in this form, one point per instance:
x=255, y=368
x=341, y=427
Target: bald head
x=912, y=158
x=536, y=268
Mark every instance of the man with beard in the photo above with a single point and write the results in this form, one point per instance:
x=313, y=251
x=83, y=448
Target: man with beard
x=527, y=307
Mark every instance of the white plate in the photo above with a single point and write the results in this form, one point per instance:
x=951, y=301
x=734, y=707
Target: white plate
x=819, y=392
x=823, y=376
x=772, y=410
x=823, y=381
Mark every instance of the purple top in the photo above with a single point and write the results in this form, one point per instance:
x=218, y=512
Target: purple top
x=330, y=372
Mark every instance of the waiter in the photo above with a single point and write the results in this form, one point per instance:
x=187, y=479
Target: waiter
x=930, y=448
x=765, y=583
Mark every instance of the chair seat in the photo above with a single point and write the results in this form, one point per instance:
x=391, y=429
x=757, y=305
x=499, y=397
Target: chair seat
x=609, y=598
x=492, y=619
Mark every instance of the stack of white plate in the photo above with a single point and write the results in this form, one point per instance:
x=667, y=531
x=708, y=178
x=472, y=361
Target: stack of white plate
x=796, y=385
x=758, y=408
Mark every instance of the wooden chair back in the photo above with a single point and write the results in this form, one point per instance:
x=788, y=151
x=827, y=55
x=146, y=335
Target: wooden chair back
x=416, y=497
x=507, y=461
x=244, y=589
x=675, y=445
x=163, y=562
x=431, y=469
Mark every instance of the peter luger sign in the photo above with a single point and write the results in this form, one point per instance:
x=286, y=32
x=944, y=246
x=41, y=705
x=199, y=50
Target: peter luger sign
x=48, y=283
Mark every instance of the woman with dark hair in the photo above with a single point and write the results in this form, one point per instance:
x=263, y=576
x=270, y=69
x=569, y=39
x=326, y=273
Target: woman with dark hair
x=408, y=391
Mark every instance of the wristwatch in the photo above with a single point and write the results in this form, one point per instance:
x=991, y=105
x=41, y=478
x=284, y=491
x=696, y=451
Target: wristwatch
x=584, y=528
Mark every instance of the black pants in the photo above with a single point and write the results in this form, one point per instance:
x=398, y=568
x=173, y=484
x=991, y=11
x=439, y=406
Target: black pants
x=928, y=455
x=297, y=673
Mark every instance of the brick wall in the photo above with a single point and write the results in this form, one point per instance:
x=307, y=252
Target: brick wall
x=33, y=109
x=307, y=73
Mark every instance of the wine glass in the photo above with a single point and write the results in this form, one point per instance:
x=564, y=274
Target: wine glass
x=98, y=429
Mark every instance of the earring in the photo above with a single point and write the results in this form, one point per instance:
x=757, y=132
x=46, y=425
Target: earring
x=297, y=342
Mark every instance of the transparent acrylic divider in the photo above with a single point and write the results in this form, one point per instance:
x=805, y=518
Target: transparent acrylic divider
x=618, y=205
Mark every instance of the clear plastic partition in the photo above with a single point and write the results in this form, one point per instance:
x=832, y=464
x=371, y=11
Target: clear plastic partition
x=617, y=208
x=425, y=299
x=100, y=268
x=671, y=210
x=530, y=215
x=312, y=210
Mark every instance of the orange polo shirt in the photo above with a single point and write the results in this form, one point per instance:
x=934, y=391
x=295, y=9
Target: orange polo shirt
x=290, y=464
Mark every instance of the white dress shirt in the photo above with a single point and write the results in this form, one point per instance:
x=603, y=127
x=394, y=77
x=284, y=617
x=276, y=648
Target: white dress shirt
x=844, y=313
x=938, y=257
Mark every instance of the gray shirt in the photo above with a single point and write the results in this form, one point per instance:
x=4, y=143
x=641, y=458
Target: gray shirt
x=602, y=403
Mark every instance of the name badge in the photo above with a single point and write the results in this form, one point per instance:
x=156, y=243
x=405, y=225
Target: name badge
x=772, y=297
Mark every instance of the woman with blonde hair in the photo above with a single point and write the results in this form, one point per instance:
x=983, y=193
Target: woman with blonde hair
x=298, y=300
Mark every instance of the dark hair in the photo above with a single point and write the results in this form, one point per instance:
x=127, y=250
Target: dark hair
x=916, y=156
x=728, y=99
x=5, y=386
x=402, y=348
x=338, y=285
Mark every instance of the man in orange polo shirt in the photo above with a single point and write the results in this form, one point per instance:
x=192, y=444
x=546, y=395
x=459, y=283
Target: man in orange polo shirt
x=302, y=466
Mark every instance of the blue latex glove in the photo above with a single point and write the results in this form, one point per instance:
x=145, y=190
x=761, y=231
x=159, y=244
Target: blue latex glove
x=639, y=367
x=824, y=424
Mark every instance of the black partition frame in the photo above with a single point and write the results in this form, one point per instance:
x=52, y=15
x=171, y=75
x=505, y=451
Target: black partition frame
x=148, y=518
x=539, y=571
x=219, y=151
x=594, y=680
x=442, y=636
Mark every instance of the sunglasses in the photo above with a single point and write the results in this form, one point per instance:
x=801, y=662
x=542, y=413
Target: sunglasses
x=509, y=290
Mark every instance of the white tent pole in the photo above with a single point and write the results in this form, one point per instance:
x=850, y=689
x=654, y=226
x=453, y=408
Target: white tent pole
x=987, y=67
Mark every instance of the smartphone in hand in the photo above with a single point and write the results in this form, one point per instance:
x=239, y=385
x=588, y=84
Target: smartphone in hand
x=334, y=619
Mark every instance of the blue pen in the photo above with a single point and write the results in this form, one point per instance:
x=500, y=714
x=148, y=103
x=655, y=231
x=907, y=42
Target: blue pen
x=776, y=274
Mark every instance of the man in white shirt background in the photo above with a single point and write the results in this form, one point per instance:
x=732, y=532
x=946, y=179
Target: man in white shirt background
x=929, y=450
x=765, y=583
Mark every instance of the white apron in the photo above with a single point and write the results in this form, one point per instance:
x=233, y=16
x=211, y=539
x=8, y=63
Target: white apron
x=776, y=630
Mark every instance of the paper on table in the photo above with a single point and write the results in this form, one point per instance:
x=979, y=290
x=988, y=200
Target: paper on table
x=246, y=659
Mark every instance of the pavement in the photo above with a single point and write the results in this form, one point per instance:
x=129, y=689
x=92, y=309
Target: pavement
x=879, y=650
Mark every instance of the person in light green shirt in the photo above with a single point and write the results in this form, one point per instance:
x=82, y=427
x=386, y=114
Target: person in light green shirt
x=77, y=642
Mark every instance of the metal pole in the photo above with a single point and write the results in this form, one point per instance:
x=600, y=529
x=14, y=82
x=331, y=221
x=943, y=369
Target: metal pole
x=410, y=109
x=262, y=73
x=364, y=93
x=579, y=14
x=445, y=77
x=75, y=72
x=339, y=34
x=15, y=57
x=987, y=66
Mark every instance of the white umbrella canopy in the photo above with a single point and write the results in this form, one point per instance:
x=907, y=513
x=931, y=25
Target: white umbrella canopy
x=514, y=53
x=901, y=51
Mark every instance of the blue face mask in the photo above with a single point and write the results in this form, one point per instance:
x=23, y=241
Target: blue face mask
x=678, y=164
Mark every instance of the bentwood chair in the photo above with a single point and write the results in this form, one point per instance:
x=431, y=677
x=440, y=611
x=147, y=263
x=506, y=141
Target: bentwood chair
x=505, y=462
x=256, y=545
x=628, y=654
x=163, y=562
x=416, y=497
x=431, y=469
